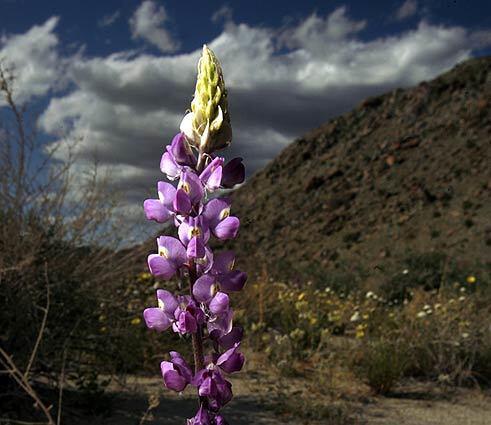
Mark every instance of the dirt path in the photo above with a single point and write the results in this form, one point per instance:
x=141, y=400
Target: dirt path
x=131, y=401
x=416, y=407
x=417, y=404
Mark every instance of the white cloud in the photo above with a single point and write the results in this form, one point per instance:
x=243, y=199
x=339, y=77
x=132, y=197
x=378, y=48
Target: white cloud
x=322, y=34
x=406, y=10
x=126, y=107
x=33, y=56
x=224, y=13
x=147, y=23
x=108, y=20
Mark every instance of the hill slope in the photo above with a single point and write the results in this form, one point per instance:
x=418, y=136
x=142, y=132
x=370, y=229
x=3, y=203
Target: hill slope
x=408, y=171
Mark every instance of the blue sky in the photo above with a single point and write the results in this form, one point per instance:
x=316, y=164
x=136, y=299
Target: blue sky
x=118, y=75
x=81, y=20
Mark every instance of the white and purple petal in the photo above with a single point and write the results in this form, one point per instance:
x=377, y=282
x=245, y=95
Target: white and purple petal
x=219, y=305
x=156, y=210
x=155, y=318
x=160, y=266
x=172, y=250
x=167, y=301
x=169, y=166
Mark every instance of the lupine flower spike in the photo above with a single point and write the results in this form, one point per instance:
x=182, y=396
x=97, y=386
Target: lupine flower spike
x=204, y=311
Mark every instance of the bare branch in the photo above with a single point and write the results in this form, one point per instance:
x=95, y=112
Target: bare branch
x=43, y=324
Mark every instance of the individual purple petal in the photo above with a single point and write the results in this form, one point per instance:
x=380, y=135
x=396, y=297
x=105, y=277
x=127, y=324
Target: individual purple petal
x=172, y=379
x=216, y=210
x=199, y=377
x=229, y=340
x=227, y=228
x=223, y=262
x=191, y=184
x=181, y=151
x=208, y=388
x=169, y=166
x=167, y=301
x=219, y=304
x=173, y=250
x=186, y=323
x=196, y=248
x=231, y=361
x=204, y=264
x=224, y=393
x=232, y=281
x=155, y=318
x=167, y=193
x=196, y=311
x=204, y=288
x=160, y=266
x=215, y=179
x=221, y=323
x=182, y=203
x=233, y=173
x=155, y=210
x=211, y=176
x=181, y=365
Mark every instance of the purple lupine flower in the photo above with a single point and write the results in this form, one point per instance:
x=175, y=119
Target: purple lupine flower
x=161, y=318
x=170, y=258
x=176, y=374
x=205, y=311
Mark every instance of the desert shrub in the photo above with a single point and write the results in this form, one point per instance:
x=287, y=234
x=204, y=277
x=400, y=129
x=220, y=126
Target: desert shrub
x=381, y=364
x=440, y=335
x=447, y=336
x=59, y=259
x=424, y=270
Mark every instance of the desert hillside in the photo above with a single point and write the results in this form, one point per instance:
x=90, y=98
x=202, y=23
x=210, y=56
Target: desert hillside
x=408, y=171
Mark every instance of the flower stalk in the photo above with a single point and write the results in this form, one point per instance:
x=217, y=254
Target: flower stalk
x=203, y=314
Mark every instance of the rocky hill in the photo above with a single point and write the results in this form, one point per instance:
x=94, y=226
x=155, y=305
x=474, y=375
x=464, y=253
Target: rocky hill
x=405, y=172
